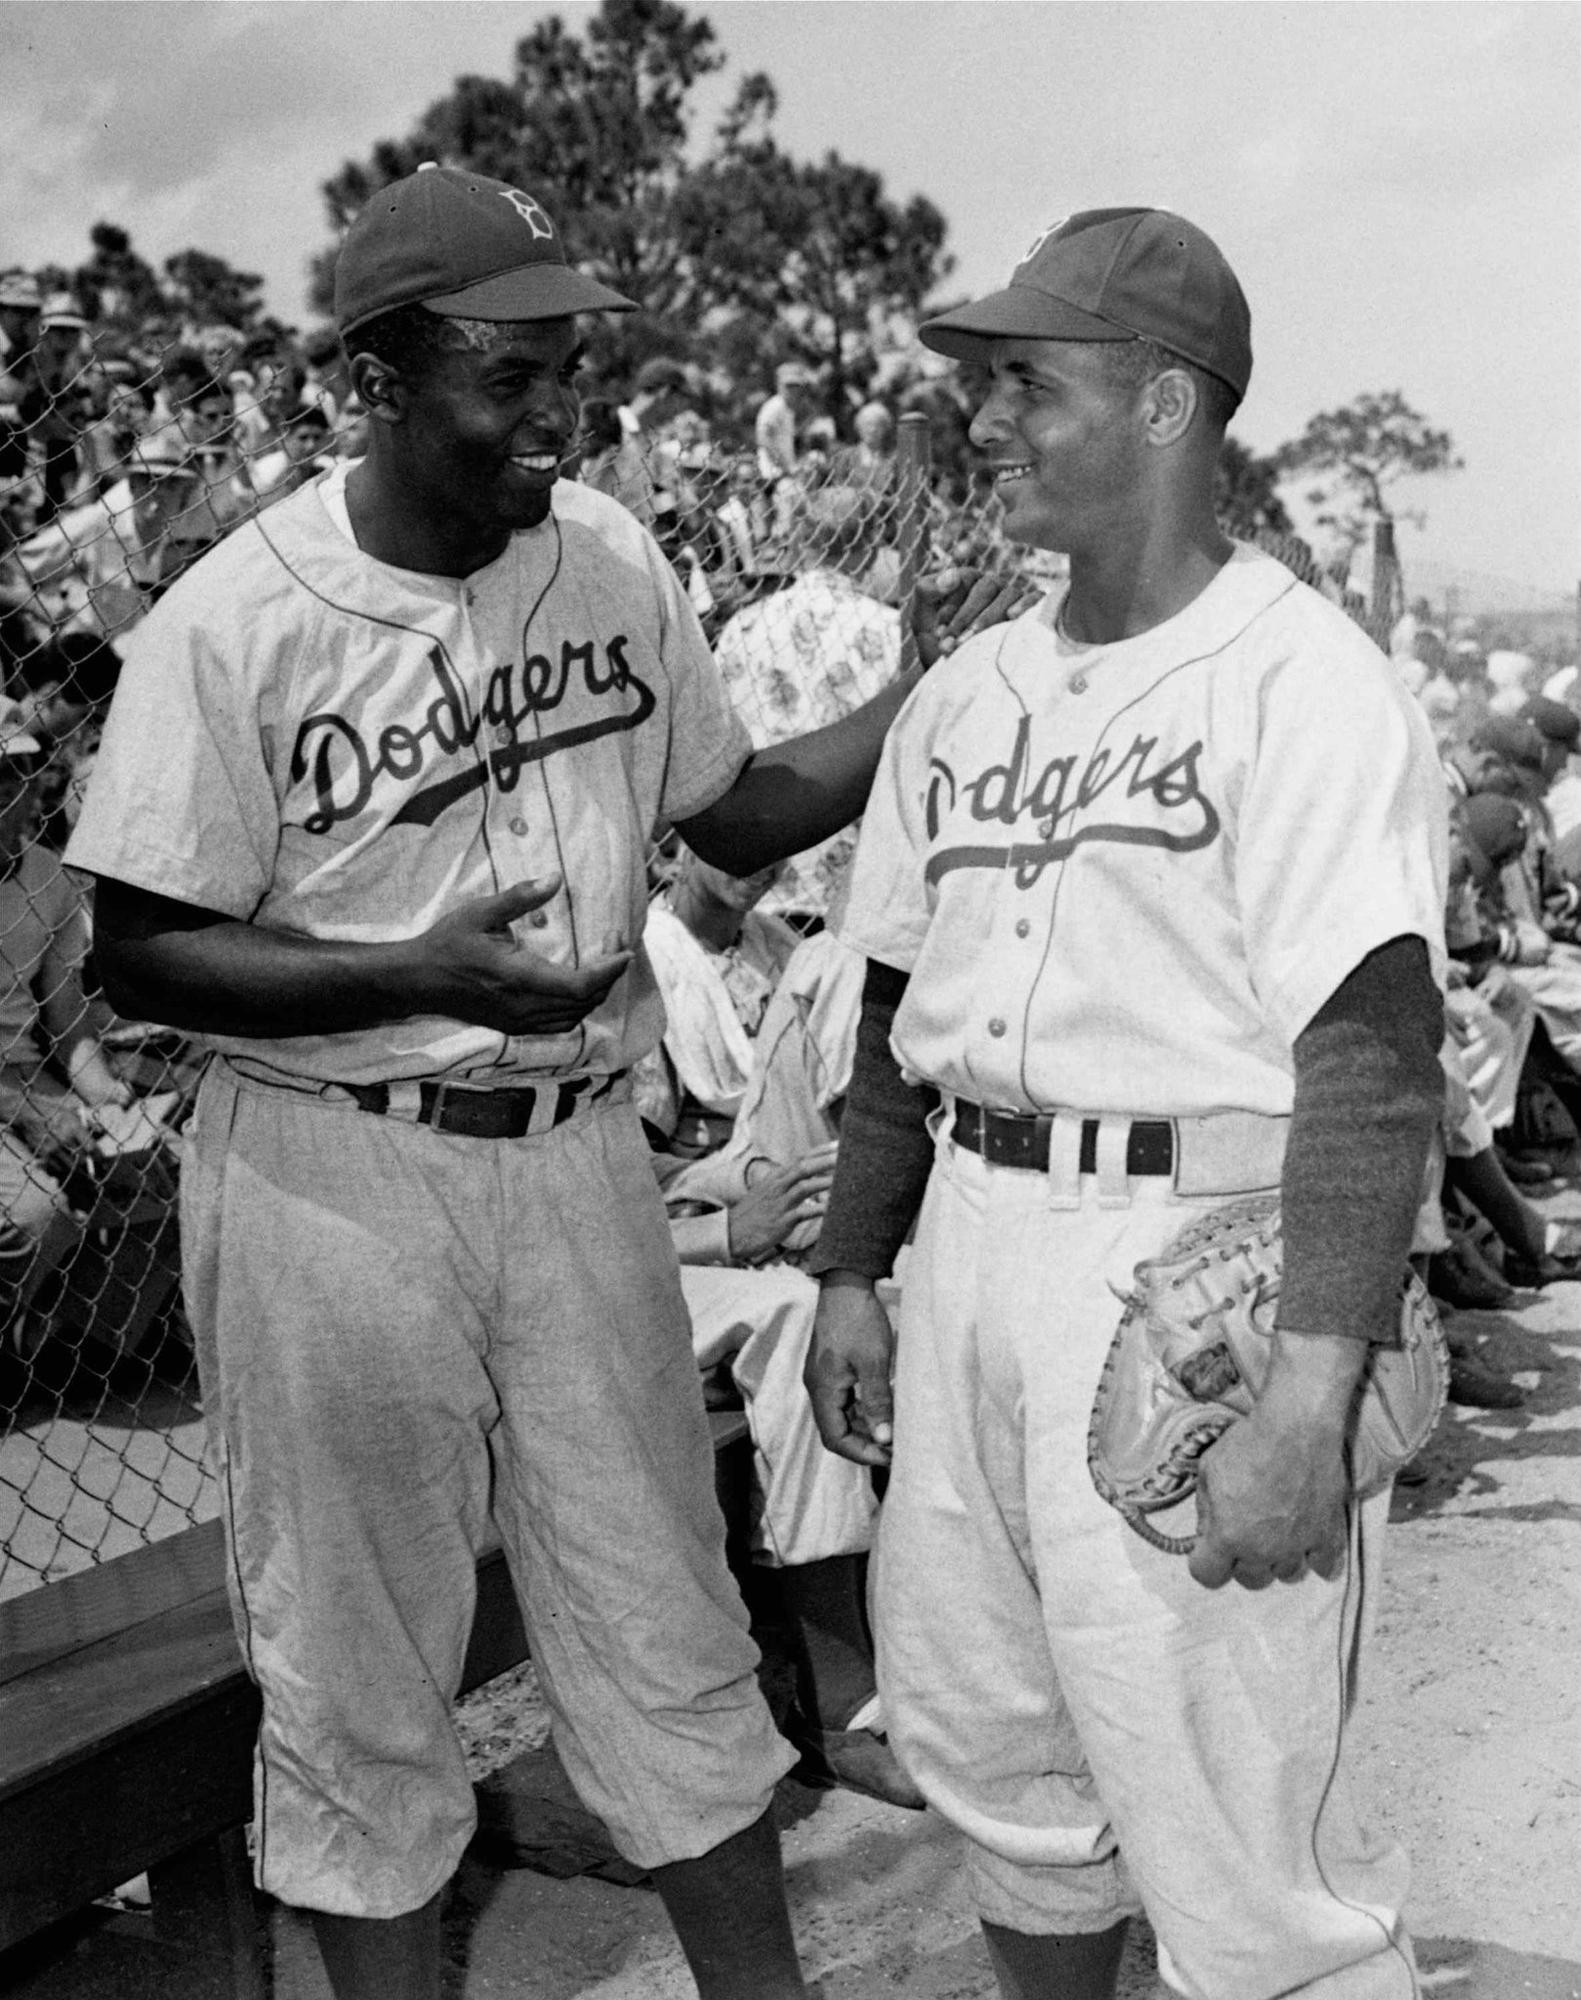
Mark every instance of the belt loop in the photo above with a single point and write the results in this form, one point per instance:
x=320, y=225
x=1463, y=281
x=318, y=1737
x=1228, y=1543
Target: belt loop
x=1114, y=1184
x=1064, y=1168
x=406, y=1098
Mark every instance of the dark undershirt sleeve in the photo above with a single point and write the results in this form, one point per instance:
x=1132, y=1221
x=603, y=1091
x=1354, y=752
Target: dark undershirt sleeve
x=886, y=1150
x=1368, y=1093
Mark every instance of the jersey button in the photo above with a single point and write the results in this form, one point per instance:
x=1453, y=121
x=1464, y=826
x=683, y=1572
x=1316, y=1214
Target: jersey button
x=539, y=921
x=518, y=824
x=1023, y=928
x=1078, y=684
x=1046, y=827
x=503, y=734
x=996, y=1027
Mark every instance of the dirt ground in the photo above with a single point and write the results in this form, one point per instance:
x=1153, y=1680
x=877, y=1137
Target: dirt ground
x=1470, y=1751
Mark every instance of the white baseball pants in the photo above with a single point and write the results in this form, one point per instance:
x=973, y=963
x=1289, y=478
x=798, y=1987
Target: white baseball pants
x=400, y=1332
x=1105, y=1731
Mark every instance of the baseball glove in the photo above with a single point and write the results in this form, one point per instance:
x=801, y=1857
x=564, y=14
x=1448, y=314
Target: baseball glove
x=1192, y=1353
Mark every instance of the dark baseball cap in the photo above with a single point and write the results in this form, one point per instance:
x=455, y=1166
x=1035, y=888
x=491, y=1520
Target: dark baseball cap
x=1556, y=721
x=465, y=247
x=1510, y=739
x=1114, y=274
x=1496, y=824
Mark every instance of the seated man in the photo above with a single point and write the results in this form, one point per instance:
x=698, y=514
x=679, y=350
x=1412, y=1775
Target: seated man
x=745, y=1152
x=44, y=1018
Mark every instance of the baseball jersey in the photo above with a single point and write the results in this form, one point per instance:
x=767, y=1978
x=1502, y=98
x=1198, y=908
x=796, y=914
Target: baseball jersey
x=317, y=742
x=1124, y=878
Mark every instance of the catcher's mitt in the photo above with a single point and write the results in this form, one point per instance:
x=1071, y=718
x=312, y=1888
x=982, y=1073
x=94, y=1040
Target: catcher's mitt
x=1192, y=1353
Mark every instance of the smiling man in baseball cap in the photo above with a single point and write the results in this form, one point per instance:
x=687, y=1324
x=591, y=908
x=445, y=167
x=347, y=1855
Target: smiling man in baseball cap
x=1151, y=889
x=371, y=816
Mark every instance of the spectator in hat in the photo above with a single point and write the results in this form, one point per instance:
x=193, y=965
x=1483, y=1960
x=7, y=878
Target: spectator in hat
x=102, y=564
x=779, y=419
x=1502, y=753
x=21, y=306
x=1560, y=727
x=54, y=405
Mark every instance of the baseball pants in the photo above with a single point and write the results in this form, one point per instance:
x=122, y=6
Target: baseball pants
x=402, y=1332
x=1107, y=1733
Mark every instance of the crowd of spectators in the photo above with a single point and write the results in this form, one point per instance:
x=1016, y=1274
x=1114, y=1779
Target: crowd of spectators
x=1508, y=736
x=122, y=461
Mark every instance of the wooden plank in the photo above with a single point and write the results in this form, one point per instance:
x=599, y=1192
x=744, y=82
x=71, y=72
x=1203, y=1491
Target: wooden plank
x=60, y=1716
x=83, y=1828
x=58, y=1619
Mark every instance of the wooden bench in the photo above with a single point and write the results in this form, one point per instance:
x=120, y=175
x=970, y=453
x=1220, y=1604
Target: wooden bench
x=126, y=1737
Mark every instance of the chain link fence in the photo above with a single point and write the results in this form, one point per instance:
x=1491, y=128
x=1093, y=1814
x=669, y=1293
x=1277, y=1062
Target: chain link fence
x=121, y=462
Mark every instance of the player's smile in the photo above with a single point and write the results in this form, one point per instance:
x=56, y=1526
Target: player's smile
x=490, y=426
x=1055, y=428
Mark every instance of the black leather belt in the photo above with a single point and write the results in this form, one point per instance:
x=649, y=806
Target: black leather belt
x=486, y=1114
x=1021, y=1139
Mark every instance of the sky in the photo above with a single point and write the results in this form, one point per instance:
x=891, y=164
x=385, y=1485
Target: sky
x=1396, y=182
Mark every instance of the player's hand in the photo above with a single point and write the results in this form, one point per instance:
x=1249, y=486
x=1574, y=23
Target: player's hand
x=476, y=968
x=777, y=1202
x=951, y=604
x=1273, y=1494
x=849, y=1365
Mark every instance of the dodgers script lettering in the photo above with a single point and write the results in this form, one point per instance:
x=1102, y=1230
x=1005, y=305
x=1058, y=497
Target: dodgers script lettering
x=1148, y=799
x=344, y=767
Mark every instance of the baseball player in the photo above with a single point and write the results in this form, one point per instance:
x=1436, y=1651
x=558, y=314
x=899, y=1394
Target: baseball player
x=370, y=816
x=1151, y=885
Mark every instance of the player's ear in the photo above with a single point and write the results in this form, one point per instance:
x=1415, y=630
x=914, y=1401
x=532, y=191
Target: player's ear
x=381, y=387
x=1169, y=404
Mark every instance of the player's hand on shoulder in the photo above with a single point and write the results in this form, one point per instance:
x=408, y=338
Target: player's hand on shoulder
x=849, y=1365
x=475, y=967
x=951, y=604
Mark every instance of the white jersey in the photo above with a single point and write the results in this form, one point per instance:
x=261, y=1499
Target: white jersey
x=1124, y=878
x=317, y=742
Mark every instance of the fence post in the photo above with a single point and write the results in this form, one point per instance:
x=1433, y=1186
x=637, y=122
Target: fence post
x=914, y=451
x=1384, y=608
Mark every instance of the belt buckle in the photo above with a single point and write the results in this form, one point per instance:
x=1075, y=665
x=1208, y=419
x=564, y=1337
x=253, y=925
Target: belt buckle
x=1011, y=1138
x=482, y=1114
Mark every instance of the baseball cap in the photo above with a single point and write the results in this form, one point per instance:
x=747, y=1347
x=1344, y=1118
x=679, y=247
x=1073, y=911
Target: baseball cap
x=1496, y=824
x=1508, y=737
x=60, y=309
x=1114, y=274
x=20, y=289
x=793, y=375
x=1553, y=719
x=463, y=246
x=159, y=451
